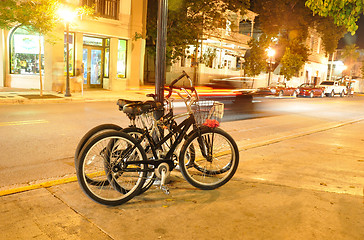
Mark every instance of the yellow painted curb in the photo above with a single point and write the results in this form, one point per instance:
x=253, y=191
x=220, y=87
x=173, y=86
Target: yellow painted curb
x=37, y=186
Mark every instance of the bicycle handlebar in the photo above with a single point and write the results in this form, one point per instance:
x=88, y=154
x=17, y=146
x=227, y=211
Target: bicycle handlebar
x=171, y=86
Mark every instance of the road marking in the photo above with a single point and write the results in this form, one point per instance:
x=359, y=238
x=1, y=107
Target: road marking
x=15, y=123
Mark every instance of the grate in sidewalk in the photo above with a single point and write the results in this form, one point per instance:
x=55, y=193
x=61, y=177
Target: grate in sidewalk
x=37, y=96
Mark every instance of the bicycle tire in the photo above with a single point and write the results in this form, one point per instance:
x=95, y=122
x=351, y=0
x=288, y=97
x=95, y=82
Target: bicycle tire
x=88, y=136
x=92, y=132
x=151, y=178
x=216, y=169
x=99, y=160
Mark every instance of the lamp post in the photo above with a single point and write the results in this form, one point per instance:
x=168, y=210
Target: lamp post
x=270, y=52
x=67, y=16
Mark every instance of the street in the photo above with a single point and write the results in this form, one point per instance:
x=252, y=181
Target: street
x=38, y=141
x=300, y=177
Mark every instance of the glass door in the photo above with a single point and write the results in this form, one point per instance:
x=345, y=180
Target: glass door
x=93, y=66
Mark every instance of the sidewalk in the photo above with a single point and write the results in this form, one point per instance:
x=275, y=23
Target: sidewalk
x=27, y=96
x=268, y=198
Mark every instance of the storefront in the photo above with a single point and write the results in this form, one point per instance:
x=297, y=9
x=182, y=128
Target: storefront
x=102, y=53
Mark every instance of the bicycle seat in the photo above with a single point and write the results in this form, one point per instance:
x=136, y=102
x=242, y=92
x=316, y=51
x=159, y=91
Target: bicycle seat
x=122, y=102
x=138, y=108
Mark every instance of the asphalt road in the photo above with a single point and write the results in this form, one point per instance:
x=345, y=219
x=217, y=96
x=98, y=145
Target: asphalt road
x=38, y=141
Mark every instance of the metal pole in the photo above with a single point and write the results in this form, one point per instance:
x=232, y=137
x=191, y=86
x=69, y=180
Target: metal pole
x=67, y=92
x=160, y=71
x=269, y=70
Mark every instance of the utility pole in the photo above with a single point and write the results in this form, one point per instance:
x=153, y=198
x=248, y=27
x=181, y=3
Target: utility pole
x=160, y=63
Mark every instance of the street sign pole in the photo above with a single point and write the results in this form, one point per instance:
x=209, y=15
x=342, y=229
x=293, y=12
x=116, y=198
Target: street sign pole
x=160, y=72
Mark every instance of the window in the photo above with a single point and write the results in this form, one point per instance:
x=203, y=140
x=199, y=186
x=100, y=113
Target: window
x=319, y=45
x=104, y=8
x=71, y=67
x=312, y=42
x=121, y=64
x=24, y=52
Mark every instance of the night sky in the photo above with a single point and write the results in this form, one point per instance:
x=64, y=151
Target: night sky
x=358, y=38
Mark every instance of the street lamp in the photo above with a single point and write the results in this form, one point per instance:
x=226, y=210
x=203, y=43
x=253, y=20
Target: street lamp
x=67, y=15
x=270, y=53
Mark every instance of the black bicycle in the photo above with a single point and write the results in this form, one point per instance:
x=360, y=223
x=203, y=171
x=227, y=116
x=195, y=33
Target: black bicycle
x=114, y=166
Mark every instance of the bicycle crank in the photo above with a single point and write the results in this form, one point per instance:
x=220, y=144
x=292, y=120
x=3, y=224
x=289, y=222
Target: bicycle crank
x=162, y=172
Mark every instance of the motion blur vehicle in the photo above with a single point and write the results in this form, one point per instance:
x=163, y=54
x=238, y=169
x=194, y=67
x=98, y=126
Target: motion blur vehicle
x=277, y=89
x=231, y=83
x=309, y=90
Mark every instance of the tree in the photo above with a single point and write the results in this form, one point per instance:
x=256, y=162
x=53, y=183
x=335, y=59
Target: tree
x=187, y=21
x=292, y=20
x=330, y=33
x=350, y=56
x=38, y=16
x=256, y=58
x=293, y=59
x=344, y=12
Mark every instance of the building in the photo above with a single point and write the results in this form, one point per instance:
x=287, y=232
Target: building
x=218, y=55
x=314, y=70
x=105, y=52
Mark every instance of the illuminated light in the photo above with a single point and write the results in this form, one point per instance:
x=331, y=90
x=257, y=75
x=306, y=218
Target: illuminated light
x=67, y=14
x=270, y=52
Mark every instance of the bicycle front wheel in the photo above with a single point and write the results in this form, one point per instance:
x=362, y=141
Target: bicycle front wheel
x=113, y=160
x=214, y=160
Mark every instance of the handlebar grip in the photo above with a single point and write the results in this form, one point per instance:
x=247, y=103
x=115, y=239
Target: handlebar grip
x=177, y=79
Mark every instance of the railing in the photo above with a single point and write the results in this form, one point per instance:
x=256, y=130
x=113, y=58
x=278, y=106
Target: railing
x=104, y=8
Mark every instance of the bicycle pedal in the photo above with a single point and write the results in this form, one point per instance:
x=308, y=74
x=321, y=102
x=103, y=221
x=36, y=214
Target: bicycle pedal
x=165, y=189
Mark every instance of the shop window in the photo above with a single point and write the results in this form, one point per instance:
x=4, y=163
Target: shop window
x=121, y=64
x=71, y=41
x=24, y=52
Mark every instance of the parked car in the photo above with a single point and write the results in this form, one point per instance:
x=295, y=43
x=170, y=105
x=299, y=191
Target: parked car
x=309, y=90
x=333, y=88
x=279, y=89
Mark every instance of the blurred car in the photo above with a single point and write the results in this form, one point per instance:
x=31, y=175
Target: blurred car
x=309, y=90
x=231, y=83
x=277, y=89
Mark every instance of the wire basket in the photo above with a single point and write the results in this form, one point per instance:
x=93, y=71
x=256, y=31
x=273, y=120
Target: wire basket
x=205, y=111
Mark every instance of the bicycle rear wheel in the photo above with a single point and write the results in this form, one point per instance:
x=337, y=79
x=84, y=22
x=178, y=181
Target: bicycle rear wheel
x=87, y=137
x=105, y=159
x=136, y=133
x=214, y=160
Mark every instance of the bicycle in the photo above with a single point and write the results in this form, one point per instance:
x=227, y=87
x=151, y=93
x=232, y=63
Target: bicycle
x=118, y=161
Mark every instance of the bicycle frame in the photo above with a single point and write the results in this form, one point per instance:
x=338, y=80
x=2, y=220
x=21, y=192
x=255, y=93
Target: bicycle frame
x=181, y=129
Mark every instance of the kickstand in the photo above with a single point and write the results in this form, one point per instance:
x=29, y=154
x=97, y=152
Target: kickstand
x=163, y=187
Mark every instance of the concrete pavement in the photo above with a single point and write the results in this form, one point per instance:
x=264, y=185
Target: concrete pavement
x=298, y=184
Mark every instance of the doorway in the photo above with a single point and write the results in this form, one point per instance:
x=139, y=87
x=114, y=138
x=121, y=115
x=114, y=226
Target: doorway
x=93, y=66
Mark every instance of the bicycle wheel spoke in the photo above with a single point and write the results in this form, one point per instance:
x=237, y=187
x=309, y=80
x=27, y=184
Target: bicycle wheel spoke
x=103, y=165
x=214, y=162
